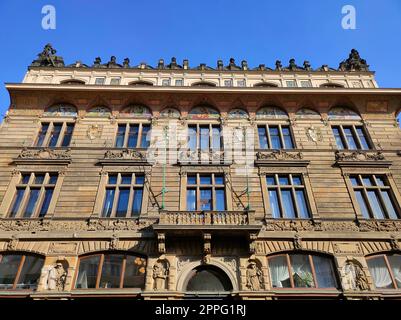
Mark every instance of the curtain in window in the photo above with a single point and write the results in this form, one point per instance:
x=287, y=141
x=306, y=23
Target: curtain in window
x=324, y=272
x=82, y=281
x=379, y=272
x=301, y=271
x=395, y=263
x=279, y=271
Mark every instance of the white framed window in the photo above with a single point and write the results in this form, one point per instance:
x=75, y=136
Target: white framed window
x=115, y=81
x=100, y=81
x=291, y=83
x=306, y=84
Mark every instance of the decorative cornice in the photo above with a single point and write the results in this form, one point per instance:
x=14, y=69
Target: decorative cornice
x=280, y=158
x=361, y=158
x=124, y=156
x=44, y=154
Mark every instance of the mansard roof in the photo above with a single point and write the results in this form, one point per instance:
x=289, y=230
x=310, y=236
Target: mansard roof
x=48, y=58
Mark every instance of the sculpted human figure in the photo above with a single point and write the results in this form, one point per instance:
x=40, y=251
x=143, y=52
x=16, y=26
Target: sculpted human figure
x=159, y=275
x=56, y=277
x=253, y=277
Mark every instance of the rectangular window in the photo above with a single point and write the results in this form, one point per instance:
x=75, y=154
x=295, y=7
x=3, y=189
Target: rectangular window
x=123, y=196
x=115, y=81
x=206, y=192
x=209, y=137
x=228, y=83
x=275, y=137
x=99, y=81
x=374, y=197
x=351, y=137
x=133, y=135
x=55, y=134
x=306, y=83
x=165, y=82
x=179, y=82
x=33, y=195
x=241, y=83
x=291, y=83
x=287, y=196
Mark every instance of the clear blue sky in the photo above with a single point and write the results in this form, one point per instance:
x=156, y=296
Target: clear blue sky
x=202, y=31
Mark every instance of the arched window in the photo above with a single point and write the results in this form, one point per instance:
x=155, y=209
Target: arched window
x=141, y=83
x=203, y=84
x=72, y=81
x=137, y=111
x=208, y=278
x=237, y=114
x=171, y=113
x=203, y=112
x=331, y=85
x=271, y=112
x=297, y=270
x=99, y=111
x=266, y=85
x=20, y=271
x=343, y=113
x=307, y=113
x=111, y=270
x=61, y=109
x=385, y=270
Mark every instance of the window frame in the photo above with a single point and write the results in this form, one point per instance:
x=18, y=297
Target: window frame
x=389, y=269
x=341, y=124
x=20, y=267
x=210, y=125
x=47, y=138
x=279, y=125
x=117, y=186
x=127, y=132
x=213, y=186
x=377, y=188
x=41, y=197
x=100, y=268
x=312, y=267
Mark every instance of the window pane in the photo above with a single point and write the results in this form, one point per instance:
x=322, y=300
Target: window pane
x=218, y=179
x=87, y=274
x=288, y=204
x=288, y=144
x=133, y=135
x=216, y=138
x=220, y=200
x=39, y=178
x=380, y=181
x=337, y=136
x=325, y=275
x=297, y=180
x=395, y=264
x=380, y=274
x=42, y=134
x=204, y=138
x=192, y=137
x=274, y=205
x=137, y=202
x=134, y=275
x=108, y=202
x=112, y=179
x=275, y=138
x=111, y=271
x=205, y=179
x=52, y=179
x=126, y=179
x=283, y=180
x=122, y=204
x=389, y=204
x=191, y=199
x=279, y=272
x=362, y=138
x=67, y=135
x=145, y=138
x=25, y=178
x=350, y=138
x=375, y=204
x=17, y=201
x=206, y=199
x=270, y=180
x=8, y=270
x=354, y=181
x=362, y=204
x=302, y=205
x=191, y=180
x=263, y=142
x=120, y=136
x=139, y=179
x=55, y=134
x=301, y=271
x=46, y=202
x=30, y=273
x=367, y=181
x=33, y=199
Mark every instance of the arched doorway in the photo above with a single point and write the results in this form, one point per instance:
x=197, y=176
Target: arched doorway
x=207, y=282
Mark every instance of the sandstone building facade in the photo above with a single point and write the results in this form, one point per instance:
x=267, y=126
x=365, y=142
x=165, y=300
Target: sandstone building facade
x=174, y=182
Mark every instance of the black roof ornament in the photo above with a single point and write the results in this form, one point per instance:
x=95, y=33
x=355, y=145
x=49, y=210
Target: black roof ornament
x=48, y=58
x=353, y=63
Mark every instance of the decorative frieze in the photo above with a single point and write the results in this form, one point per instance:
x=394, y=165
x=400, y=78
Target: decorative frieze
x=359, y=156
x=126, y=154
x=43, y=154
x=278, y=155
x=347, y=248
